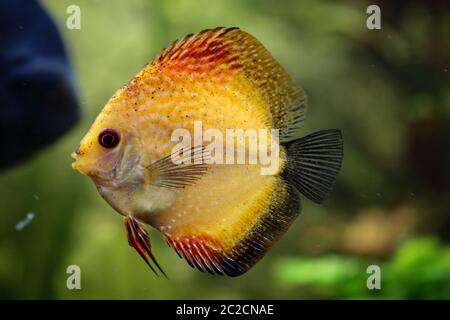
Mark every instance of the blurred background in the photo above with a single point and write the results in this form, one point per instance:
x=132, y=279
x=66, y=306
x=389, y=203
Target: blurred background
x=388, y=90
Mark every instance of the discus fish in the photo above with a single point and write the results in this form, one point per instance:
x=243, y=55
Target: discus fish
x=220, y=218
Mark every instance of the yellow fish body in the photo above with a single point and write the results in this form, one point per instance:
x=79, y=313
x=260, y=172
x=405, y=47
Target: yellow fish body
x=221, y=218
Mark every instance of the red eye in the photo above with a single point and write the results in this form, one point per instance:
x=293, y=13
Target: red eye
x=109, y=138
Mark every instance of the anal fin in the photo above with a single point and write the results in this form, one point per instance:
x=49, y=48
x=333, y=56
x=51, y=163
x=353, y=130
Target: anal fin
x=207, y=251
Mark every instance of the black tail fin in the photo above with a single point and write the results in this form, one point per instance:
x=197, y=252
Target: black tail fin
x=314, y=162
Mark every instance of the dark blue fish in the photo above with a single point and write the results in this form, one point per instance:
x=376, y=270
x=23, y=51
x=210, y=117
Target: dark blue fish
x=38, y=101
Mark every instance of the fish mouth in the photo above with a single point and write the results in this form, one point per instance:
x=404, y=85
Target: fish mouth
x=112, y=169
x=75, y=155
x=77, y=165
x=80, y=165
x=101, y=176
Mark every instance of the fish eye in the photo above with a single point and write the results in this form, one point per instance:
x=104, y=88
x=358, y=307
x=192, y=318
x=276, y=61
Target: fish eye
x=109, y=138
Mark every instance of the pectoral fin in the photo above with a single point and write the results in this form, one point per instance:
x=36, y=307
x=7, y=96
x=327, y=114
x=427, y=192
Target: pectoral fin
x=187, y=169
